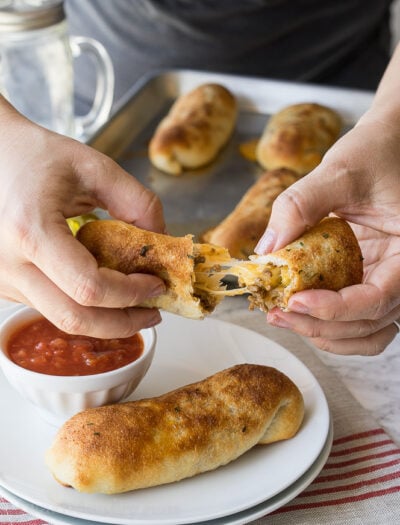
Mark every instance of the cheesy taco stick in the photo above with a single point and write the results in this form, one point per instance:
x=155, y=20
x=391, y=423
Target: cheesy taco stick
x=327, y=256
x=297, y=137
x=193, y=429
x=196, y=128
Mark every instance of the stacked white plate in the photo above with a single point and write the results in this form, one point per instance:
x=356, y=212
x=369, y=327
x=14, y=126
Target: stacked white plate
x=260, y=481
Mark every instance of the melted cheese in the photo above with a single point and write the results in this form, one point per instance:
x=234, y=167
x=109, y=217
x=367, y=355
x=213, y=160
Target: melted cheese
x=248, y=149
x=213, y=264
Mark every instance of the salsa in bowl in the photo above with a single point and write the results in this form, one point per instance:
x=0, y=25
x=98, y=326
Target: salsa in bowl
x=62, y=374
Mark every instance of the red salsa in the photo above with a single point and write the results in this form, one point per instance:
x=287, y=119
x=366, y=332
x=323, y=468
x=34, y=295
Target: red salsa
x=42, y=347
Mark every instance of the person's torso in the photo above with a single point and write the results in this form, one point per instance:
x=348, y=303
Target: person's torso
x=343, y=42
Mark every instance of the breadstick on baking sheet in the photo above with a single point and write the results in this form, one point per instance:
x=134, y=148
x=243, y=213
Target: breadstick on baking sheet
x=196, y=128
x=193, y=429
x=240, y=231
x=297, y=137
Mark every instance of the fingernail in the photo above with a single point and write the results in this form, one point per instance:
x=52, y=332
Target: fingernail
x=266, y=242
x=300, y=308
x=275, y=320
x=158, y=290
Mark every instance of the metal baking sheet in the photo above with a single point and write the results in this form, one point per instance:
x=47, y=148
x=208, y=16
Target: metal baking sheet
x=199, y=199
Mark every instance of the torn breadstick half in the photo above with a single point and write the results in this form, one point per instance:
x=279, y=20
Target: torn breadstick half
x=327, y=256
x=196, y=128
x=128, y=249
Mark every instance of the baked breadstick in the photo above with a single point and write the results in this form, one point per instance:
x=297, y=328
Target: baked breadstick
x=193, y=429
x=240, y=231
x=128, y=249
x=196, y=128
x=297, y=137
x=327, y=256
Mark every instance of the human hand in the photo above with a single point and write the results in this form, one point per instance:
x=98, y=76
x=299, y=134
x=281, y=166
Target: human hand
x=358, y=180
x=46, y=178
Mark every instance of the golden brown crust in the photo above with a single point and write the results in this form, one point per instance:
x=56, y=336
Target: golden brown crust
x=128, y=249
x=297, y=137
x=195, y=129
x=193, y=429
x=240, y=231
x=328, y=257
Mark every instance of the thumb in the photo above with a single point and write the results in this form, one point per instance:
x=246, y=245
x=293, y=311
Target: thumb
x=118, y=191
x=301, y=206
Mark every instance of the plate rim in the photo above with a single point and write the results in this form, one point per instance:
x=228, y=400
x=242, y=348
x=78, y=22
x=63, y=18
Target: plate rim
x=85, y=515
x=258, y=511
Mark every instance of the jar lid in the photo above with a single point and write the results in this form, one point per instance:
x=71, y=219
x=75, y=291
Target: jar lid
x=28, y=15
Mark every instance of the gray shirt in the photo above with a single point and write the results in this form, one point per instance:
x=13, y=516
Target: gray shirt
x=338, y=42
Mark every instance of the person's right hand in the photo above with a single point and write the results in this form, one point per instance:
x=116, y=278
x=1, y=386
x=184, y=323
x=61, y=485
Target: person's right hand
x=46, y=178
x=359, y=180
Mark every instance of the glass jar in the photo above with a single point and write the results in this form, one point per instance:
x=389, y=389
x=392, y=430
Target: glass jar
x=36, y=67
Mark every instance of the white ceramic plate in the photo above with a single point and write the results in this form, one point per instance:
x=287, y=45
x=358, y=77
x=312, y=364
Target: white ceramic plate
x=240, y=518
x=187, y=351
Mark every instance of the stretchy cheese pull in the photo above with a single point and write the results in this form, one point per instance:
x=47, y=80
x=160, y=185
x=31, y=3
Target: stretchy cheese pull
x=327, y=256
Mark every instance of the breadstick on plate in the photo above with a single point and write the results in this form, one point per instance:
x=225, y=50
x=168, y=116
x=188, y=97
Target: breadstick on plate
x=297, y=137
x=240, y=231
x=197, y=126
x=193, y=429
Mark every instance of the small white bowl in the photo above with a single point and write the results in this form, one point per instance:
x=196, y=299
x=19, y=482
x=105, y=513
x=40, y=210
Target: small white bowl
x=59, y=397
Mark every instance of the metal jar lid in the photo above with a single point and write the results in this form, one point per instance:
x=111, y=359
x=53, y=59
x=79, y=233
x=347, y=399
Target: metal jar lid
x=28, y=15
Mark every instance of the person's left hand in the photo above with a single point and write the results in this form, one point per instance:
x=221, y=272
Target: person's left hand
x=358, y=319
x=46, y=178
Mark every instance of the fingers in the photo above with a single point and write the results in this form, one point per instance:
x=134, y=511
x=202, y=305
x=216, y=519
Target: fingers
x=80, y=298
x=371, y=300
x=362, y=337
x=69, y=265
x=352, y=338
x=355, y=320
x=313, y=327
x=68, y=315
x=94, y=286
x=299, y=207
x=118, y=191
x=56, y=178
x=372, y=345
x=331, y=187
x=362, y=301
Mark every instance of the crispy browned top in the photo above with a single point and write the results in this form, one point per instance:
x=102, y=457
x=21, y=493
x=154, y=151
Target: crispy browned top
x=197, y=126
x=189, y=430
x=327, y=256
x=191, y=121
x=128, y=249
x=298, y=136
